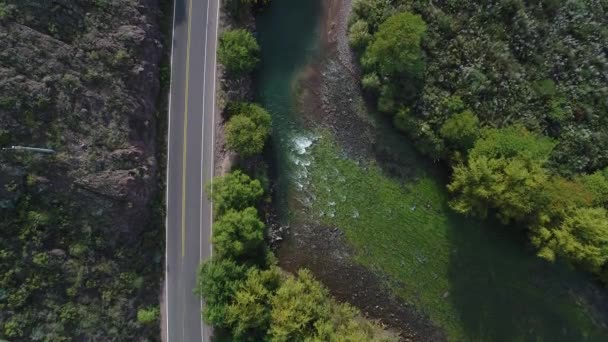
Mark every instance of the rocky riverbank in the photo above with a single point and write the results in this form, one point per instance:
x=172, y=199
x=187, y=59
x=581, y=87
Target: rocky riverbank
x=330, y=97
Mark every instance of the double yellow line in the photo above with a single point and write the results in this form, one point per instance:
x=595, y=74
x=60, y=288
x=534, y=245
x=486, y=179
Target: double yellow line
x=186, y=130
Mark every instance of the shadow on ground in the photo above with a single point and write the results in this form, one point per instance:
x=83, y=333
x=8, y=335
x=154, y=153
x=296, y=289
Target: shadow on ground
x=502, y=292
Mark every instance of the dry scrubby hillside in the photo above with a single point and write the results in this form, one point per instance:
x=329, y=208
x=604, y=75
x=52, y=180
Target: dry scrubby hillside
x=78, y=253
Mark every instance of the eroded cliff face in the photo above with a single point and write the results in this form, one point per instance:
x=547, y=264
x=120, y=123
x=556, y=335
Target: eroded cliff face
x=78, y=249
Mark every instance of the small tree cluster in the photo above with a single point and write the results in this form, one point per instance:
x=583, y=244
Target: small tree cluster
x=238, y=51
x=234, y=191
x=506, y=172
x=247, y=295
x=247, y=129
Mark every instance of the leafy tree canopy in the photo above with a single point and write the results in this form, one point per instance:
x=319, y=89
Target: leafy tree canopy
x=238, y=51
x=249, y=314
x=582, y=238
x=248, y=129
x=218, y=280
x=297, y=305
x=461, y=129
x=395, y=48
x=513, y=141
x=234, y=190
x=512, y=186
x=238, y=234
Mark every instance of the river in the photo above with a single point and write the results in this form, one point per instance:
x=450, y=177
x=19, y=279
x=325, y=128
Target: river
x=380, y=220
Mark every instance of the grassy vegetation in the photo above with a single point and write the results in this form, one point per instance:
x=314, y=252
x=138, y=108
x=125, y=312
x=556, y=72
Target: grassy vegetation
x=477, y=284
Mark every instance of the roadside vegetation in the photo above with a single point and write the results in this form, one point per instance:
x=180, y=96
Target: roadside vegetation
x=512, y=95
x=250, y=298
x=238, y=51
x=247, y=129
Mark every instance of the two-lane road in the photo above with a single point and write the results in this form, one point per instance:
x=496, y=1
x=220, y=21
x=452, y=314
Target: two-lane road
x=189, y=165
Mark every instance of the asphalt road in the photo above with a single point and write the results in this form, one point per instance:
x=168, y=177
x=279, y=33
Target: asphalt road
x=189, y=165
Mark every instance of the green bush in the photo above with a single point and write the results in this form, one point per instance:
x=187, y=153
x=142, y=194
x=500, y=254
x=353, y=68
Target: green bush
x=148, y=315
x=581, y=238
x=395, y=49
x=359, y=36
x=238, y=51
x=249, y=313
x=248, y=130
x=461, y=130
x=504, y=172
x=238, y=235
x=234, y=191
x=297, y=305
x=218, y=280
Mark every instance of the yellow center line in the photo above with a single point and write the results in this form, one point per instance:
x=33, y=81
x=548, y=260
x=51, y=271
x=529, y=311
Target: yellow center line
x=186, y=132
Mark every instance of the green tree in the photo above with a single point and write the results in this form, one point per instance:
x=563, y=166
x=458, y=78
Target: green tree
x=513, y=141
x=238, y=235
x=345, y=324
x=374, y=11
x=234, y=190
x=395, y=48
x=358, y=35
x=247, y=131
x=238, y=51
x=557, y=205
x=249, y=314
x=582, y=238
x=505, y=171
x=461, y=130
x=218, y=280
x=597, y=184
x=148, y=315
x=512, y=186
x=298, y=304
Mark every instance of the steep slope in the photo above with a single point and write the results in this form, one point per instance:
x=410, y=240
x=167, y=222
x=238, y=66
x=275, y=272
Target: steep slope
x=77, y=246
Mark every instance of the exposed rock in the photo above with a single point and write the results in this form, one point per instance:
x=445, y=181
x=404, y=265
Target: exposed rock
x=80, y=77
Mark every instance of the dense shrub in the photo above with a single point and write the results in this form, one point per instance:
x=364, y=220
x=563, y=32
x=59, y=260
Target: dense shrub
x=148, y=315
x=536, y=63
x=234, y=191
x=393, y=57
x=238, y=51
x=247, y=129
x=238, y=235
x=218, y=280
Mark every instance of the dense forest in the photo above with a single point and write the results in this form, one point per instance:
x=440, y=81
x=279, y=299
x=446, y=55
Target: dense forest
x=513, y=95
x=80, y=250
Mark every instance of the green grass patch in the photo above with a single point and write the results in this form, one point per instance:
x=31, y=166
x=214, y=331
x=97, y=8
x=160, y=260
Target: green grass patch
x=474, y=281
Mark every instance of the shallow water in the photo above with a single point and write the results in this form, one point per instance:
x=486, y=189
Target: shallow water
x=287, y=32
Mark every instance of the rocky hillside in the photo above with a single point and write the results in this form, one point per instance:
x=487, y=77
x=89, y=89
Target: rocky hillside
x=79, y=250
